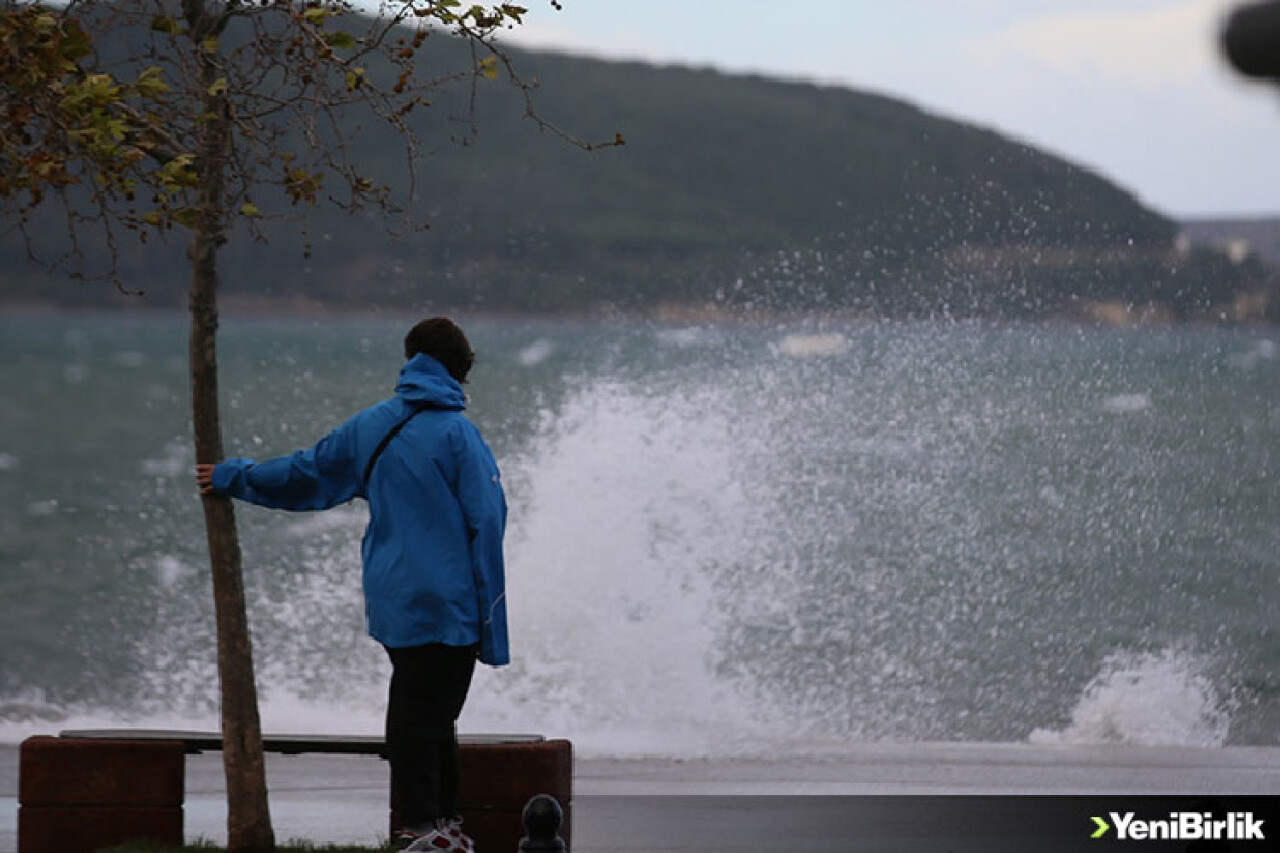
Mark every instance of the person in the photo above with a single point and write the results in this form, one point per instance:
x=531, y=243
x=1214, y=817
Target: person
x=432, y=554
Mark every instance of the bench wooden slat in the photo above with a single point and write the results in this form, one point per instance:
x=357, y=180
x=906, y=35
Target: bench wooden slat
x=285, y=744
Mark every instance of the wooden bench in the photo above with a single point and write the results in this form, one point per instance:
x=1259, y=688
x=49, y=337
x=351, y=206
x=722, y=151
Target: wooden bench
x=84, y=790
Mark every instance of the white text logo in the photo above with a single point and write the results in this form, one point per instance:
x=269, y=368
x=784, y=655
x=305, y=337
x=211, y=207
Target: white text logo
x=1183, y=826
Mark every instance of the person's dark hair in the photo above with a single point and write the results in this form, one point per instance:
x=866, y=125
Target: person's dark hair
x=440, y=338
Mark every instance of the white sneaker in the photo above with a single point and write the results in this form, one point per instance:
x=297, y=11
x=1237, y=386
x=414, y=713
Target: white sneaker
x=452, y=829
x=445, y=836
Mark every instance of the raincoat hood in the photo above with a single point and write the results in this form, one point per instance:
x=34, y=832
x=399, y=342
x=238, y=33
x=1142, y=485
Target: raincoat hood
x=424, y=381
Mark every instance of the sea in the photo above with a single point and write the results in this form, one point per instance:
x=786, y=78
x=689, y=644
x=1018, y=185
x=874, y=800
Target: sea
x=726, y=539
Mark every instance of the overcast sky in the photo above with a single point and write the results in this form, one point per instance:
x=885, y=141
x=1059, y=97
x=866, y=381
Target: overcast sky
x=1133, y=89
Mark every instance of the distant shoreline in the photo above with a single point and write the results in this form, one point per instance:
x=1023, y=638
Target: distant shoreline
x=1100, y=314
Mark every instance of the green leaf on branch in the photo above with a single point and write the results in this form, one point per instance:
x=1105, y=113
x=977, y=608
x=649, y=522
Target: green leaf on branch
x=165, y=24
x=341, y=40
x=151, y=84
x=219, y=87
x=186, y=216
x=75, y=44
x=512, y=11
x=315, y=15
x=178, y=174
x=44, y=24
x=440, y=11
x=93, y=92
x=250, y=210
x=489, y=68
x=302, y=185
x=355, y=79
x=113, y=130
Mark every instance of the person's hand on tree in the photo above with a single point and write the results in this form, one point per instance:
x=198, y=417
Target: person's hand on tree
x=204, y=478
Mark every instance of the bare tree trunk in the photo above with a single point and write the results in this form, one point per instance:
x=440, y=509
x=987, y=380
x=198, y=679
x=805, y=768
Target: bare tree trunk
x=248, y=815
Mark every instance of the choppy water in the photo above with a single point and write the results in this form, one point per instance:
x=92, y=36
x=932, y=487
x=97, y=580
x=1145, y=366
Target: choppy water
x=745, y=539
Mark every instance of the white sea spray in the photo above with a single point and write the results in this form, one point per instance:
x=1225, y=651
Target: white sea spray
x=1162, y=698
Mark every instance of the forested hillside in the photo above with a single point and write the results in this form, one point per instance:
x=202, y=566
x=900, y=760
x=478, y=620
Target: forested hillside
x=730, y=193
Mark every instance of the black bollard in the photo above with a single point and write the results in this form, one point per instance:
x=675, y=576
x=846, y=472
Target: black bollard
x=1251, y=40
x=542, y=817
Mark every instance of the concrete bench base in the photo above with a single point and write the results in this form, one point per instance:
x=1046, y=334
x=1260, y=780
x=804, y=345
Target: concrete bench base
x=497, y=780
x=81, y=793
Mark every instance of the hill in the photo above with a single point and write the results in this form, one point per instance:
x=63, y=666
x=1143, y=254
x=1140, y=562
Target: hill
x=732, y=193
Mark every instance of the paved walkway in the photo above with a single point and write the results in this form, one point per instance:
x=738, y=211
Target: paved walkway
x=871, y=797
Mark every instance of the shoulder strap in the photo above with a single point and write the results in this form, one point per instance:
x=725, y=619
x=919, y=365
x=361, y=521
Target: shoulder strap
x=386, y=439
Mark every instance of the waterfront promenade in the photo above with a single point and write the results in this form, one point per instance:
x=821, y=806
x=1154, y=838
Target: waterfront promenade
x=867, y=797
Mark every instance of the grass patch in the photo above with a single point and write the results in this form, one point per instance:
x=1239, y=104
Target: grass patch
x=201, y=846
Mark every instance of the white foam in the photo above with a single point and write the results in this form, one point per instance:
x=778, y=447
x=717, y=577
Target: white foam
x=30, y=707
x=1148, y=699
x=178, y=459
x=628, y=503
x=31, y=712
x=129, y=358
x=1126, y=403
x=691, y=336
x=170, y=570
x=348, y=518
x=536, y=352
x=1262, y=350
x=285, y=712
x=820, y=344
x=43, y=509
x=282, y=711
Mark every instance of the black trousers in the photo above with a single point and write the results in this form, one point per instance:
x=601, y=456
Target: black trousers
x=429, y=685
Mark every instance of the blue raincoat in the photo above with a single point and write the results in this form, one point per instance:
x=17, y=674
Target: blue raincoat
x=433, y=566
